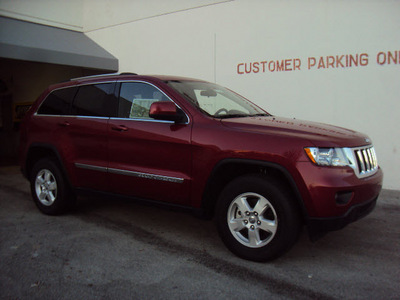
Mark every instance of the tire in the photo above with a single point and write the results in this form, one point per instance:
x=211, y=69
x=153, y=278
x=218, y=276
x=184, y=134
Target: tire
x=257, y=218
x=50, y=192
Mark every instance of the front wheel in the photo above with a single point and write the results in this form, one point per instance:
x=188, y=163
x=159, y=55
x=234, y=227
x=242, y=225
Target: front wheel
x=256, y=218
x=49, y=189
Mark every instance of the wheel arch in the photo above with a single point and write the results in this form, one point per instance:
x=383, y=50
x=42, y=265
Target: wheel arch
x=38, y=151
x=229, y=169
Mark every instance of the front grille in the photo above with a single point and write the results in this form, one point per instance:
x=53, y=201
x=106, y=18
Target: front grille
x=366, y=161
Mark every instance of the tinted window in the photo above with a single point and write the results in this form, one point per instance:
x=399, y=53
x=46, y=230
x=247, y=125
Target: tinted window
x=58, y=102
x=95, y=100
x=135, y=99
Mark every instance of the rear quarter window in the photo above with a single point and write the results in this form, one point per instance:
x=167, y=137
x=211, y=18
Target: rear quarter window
x=58, y=102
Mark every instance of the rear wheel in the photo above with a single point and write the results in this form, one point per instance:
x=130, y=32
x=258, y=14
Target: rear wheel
x=49, y=190
x=256, y=218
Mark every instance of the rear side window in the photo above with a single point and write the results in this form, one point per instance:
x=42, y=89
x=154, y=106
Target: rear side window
x=96, y=100
x=58, y=102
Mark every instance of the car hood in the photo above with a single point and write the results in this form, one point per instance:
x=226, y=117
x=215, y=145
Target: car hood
x=321, y=135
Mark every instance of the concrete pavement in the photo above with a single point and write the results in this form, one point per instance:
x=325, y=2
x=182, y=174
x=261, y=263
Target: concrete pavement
x=113, y=249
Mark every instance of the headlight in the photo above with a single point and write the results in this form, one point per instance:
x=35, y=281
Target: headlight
x=336, y=157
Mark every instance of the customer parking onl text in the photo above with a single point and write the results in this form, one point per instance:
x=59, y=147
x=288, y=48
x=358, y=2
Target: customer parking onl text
x=339, y=61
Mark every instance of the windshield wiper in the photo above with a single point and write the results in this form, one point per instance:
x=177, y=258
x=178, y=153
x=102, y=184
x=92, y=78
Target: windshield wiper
x=231, y=116
x=261, y=115
x=242, y=116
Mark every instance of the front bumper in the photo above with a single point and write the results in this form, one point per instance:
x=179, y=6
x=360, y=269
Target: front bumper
x=335, y=197
x=317, y=227
x=331, y=192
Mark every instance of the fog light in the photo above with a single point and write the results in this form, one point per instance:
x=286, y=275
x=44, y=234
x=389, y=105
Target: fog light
x=342, y=198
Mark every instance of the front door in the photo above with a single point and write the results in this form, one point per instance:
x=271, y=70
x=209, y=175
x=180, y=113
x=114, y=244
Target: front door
x=148, y=158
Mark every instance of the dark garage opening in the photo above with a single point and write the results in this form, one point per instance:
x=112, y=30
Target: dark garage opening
x=33, y=56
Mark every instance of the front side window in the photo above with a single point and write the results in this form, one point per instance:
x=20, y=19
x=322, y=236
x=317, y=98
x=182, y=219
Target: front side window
x=136, y=98
x=58, y=102
x=95, y=100
x=216, y=101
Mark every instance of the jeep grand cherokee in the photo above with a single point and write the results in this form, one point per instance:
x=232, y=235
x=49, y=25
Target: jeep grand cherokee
x=195, y=144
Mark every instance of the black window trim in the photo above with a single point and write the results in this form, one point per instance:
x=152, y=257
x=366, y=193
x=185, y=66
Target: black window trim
x=116, y=92
x=113, y=92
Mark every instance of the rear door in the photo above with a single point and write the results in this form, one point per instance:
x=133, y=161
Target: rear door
x=148, y=158
x=86, y=138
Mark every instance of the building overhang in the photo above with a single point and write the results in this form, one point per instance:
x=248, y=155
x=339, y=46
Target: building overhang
x=27, y=41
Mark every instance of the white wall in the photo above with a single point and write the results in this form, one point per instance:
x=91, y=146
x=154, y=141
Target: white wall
x=57, y=13
x=113, y=13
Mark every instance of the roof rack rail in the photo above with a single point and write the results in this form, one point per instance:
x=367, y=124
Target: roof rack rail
x=102, y=75
x=127, y=73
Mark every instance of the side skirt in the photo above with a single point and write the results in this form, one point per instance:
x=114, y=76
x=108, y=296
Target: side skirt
x=198, y=212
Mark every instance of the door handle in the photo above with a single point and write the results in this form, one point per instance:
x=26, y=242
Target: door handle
x=119, y=128
x=64, y=124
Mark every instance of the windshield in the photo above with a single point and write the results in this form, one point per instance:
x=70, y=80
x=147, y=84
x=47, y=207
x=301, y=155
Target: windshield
x=215, y=100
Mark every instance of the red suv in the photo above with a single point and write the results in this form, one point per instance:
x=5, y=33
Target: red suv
x=194, y=144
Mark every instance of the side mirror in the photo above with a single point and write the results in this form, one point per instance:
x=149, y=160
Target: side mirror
x=167, y=111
